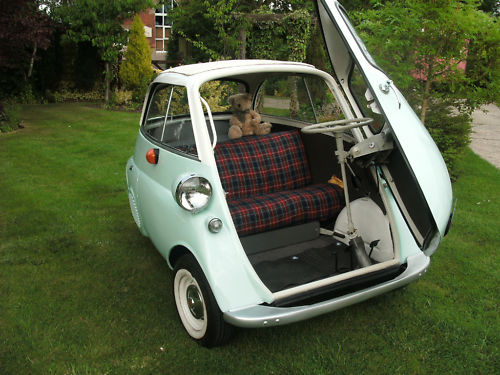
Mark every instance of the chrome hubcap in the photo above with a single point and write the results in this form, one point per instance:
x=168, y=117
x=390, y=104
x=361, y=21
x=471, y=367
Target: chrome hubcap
x=194, y=302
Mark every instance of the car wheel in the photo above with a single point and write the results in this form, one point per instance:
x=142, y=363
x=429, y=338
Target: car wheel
x=196, y=305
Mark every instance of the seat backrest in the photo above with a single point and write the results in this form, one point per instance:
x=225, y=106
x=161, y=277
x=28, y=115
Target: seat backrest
x=256, y=165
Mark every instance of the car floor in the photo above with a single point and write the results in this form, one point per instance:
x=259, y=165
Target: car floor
x=301, y=263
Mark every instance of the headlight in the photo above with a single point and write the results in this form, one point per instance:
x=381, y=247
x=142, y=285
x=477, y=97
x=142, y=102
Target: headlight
x=193, y=193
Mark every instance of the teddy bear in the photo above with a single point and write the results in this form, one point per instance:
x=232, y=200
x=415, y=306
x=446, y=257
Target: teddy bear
x=245, y=121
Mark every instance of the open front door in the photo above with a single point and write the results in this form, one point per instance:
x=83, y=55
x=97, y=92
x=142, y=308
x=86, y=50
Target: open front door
x=415, y=170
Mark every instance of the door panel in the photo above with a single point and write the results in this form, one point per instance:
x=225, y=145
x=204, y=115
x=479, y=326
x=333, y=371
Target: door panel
x=419, y=174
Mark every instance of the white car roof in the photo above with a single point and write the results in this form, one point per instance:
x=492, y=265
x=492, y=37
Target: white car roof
x=194, y=69
x=198, y=73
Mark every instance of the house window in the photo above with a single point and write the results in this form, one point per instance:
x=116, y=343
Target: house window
x=163, y=26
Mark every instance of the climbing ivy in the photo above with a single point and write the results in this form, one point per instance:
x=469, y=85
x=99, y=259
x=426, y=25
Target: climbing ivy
x=298, y=31
x=222, y=29
x=283, y=37
x=220, y=12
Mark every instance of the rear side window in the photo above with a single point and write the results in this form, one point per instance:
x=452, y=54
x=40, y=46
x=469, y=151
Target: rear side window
x=299, y=97
x=168, y=120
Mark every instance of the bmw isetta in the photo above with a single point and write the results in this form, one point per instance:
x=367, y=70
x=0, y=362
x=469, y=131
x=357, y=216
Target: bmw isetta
x=346, y=198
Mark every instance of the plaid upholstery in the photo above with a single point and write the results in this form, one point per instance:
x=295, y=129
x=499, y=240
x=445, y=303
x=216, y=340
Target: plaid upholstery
x=266, y=179
x=264, y=164
x=276, y=210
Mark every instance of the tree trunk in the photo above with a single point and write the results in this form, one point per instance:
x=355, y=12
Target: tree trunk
x=294, y=100
x=427, y=90
x=425, y=101
x=243, y=43
x=108, y=82
x=32, y=61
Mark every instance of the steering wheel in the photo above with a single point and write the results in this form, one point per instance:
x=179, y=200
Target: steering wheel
x=337, y=126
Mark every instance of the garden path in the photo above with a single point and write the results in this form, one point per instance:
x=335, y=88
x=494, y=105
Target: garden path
x=485, y=137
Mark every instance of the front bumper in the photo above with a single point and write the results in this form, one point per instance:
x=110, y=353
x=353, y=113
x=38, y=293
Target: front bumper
x=266, y=316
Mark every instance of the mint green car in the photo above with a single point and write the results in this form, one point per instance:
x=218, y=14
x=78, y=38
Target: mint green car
x=346, y=197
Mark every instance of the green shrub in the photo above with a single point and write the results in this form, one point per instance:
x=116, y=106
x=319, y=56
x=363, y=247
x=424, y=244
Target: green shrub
x=136, y=71
x=451, y=132
x=66, y=95
x=121, y=97
x=9, y=117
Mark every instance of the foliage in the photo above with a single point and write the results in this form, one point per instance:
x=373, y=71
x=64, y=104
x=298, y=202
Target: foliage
x=220, y=11
x=213, y=27
x=421, y=44
x=9, y=116
x=451, y=132
x=216, y=93
x=121, y=97
x=50, y=67
x=490, y=6
x=267, y=39
x=24, y=30
x=193, y=24
x=483, y=60
x=99, y=22
x=284, y=38
x=207, y=25
x=73, y=95
x=136, y=71
x=87, y=56
x=297, y=26
x=24, y=26
x=315, y=52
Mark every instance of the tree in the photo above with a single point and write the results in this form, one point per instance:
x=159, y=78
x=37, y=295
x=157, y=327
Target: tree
x=209, y=26
x=100, y=22
x=218, y=28
x=490, y=6
x=136, y=71
x=25, y=29
x=421, y=45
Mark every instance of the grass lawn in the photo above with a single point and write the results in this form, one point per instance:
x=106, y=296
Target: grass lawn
x=82, y=292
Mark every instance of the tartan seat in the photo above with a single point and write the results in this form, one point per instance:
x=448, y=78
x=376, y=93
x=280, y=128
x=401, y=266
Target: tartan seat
x=268, y=183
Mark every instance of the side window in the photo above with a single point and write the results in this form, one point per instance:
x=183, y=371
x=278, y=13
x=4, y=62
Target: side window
x=168, y=120
x=217, y=93
x=365, y=100
x=303, y=98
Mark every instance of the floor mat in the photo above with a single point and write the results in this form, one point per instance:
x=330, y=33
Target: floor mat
x=309, y=265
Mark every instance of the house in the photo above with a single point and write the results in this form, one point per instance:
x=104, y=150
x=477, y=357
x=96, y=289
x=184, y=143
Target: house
x=158, y=29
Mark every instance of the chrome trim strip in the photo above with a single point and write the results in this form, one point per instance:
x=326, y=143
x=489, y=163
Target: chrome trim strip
x=266, y=316
x=285, y=293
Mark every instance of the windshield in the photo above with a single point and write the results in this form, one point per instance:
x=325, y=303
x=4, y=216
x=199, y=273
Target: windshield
x=358, y=39
x=305, y=98
x=168, y=122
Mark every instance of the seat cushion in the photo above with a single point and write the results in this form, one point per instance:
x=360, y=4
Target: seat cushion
x=257, y=165
x=280, y=209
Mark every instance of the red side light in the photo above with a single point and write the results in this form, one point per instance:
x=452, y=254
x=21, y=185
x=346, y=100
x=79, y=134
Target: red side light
x=152, y=155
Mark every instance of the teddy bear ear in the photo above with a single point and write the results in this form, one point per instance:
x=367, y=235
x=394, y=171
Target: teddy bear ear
x=248, y=96
x=231, y=100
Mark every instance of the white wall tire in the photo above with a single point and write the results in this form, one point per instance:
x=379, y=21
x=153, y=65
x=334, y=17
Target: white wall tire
x=196, y=305
x=192, y=318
